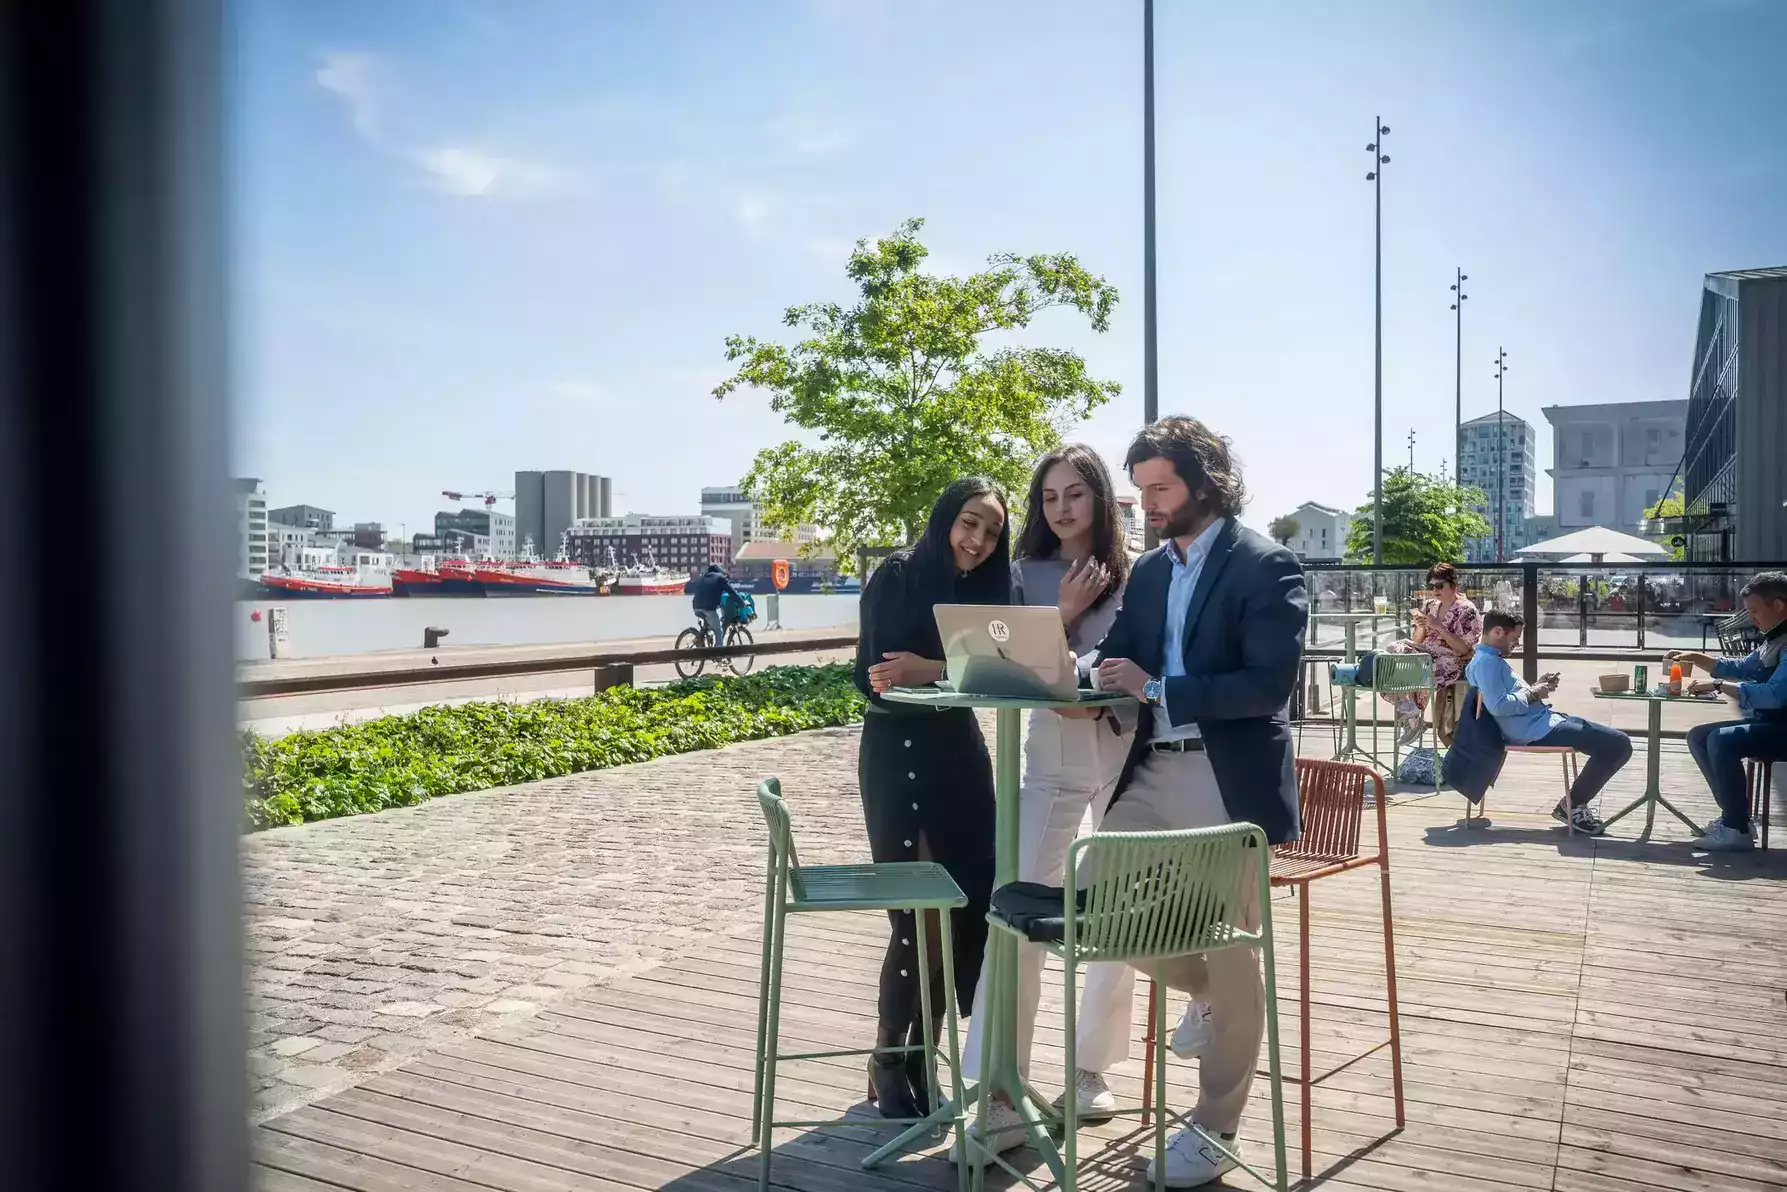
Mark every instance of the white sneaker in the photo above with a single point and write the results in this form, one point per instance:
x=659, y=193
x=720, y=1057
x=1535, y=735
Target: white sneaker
x=1723, y=838
x=1192, y=1162
x=1091, y=1096
x=1193, y=1032
x=1001, y=1123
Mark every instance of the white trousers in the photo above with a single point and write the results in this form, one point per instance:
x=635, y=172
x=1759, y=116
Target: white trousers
x=1178, y=790
x=1071, y=767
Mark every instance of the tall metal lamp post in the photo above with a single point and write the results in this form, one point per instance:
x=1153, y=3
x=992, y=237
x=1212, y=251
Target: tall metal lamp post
x=1458, y=297
x=1380, y=130
x=1150, y=333
x=1501, y=462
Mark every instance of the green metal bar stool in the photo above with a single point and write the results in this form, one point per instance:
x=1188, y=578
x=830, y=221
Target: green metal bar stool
x=790, y=889
x=1404, y=674
x=1146, y=897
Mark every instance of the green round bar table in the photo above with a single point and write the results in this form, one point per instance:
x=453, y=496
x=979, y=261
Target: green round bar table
x=1002, y=994
x=1653, y=785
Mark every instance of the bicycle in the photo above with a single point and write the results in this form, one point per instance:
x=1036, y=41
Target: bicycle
x=700, y=637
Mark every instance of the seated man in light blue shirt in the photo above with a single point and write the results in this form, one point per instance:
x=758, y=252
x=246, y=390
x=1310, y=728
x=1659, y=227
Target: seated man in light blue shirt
x=1758, y=682
x=1525, y=718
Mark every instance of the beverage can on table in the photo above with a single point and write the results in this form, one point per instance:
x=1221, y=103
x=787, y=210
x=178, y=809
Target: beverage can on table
x=1641, y=678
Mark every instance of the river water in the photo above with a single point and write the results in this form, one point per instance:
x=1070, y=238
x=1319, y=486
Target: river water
x=319, y=627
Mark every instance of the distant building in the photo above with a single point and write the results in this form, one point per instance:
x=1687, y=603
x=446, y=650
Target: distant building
x=1321, y=531
x=1504, y=466
x=496, y=529
x=1735, y=471
x=368, y=535
x=728, y=502
x=307, y=516
x=1540, y=527
x=286, y=543
x=755, y=566
x=1132, y=523
x=686, y=543
x=1612, y=462
x=251, y=527
x=547, y=504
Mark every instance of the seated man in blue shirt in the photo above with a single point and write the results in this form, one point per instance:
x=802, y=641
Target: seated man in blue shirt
x=1758, y=682
x=1525, y=718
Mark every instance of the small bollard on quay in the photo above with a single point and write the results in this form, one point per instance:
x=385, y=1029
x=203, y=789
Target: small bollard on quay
x=619, y=674
x=431, y=636
x=276, y=636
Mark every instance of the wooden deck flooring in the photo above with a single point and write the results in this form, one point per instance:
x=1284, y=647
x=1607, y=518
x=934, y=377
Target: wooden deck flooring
x=1590, y=1016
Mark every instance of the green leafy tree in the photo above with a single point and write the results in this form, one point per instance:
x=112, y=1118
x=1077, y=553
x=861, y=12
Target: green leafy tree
x=1283, y=529
x=1669, y=506
x=1426, y=520
x=897, y=396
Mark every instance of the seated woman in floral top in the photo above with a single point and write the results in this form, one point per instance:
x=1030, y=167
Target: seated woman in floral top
x=1447, y=628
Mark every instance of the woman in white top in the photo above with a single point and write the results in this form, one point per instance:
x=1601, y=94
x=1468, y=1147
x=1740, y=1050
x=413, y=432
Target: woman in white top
x=1071, y=554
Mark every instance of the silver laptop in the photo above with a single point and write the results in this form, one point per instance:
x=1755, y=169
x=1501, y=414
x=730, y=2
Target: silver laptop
x=1011, y=650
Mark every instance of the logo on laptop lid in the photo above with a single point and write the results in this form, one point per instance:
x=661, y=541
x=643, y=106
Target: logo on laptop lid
x=999, y=631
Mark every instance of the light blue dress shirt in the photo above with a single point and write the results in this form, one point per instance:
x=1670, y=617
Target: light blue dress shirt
x=1505, y=697
x=1184, y=585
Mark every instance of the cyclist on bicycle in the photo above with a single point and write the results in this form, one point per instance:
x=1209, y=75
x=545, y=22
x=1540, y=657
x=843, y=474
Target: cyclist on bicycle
x=709, y=592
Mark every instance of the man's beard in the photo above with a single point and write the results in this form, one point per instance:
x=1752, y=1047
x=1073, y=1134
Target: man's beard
x=1181, y=521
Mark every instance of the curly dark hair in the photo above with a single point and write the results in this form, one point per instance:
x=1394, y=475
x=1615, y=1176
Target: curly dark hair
x=1442, y=575
x=1199, y=455
x=1038, y=541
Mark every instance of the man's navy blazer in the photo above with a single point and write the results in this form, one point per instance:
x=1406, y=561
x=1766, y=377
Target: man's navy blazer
x=1242, y=643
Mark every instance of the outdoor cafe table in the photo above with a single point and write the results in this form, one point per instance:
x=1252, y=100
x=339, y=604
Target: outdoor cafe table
x=1349, y=747
x=1653, y=790
x=1001, y=1006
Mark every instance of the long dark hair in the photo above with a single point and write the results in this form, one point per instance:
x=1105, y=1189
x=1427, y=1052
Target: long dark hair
x=1039, y=541
x=934, y=563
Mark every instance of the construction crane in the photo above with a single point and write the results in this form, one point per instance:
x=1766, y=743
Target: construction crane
x=490, y=498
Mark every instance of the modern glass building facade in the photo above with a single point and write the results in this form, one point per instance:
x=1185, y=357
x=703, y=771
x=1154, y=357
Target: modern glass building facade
x=1500, y=459
x=1734, y=467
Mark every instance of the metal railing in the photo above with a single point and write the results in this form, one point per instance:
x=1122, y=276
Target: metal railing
x=1607, y=612
x=610, y=666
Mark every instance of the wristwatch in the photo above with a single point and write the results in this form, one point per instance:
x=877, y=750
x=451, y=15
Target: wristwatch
x=1153, y=691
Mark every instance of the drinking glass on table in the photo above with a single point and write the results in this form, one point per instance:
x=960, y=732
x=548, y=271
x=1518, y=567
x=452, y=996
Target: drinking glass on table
x=1380, y=604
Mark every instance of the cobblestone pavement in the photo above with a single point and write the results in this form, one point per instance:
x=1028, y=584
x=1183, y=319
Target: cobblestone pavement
x=373, y=938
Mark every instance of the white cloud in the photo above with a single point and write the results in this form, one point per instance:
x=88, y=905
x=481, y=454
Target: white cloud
x=810, y=135
x=833, y=252
x=473, y=173
x=353, y=79
x=574, y=391
x=356, y=80
x=753, y=212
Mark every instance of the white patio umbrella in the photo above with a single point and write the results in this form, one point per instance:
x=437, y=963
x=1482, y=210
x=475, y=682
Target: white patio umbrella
x=1615, y=557
x=1596, y=542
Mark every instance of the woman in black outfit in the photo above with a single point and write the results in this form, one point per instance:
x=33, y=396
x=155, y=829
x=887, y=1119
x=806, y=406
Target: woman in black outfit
x=927, y=783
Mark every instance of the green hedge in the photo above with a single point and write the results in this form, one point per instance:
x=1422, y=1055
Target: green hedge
x=398, y=761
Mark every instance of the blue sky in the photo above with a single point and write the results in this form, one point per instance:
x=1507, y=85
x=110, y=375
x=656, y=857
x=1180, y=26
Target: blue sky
x=474, y=236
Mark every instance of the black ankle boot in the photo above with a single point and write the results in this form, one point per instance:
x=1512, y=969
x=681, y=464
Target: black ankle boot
x=917, y=1069
x=890, y=1088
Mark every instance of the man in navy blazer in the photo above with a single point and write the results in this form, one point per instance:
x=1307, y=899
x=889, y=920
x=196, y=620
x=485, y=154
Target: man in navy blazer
x=1209, y=638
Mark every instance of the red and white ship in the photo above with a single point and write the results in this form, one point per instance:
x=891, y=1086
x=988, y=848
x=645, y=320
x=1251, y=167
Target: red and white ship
x=532, y=576
x=646, y=578
x=330, y=581
x=448, y=577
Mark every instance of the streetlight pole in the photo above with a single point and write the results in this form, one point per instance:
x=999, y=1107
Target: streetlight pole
x=1376, y=177
x=1458, y=297
x=1501, y=465
x=1150, y=326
